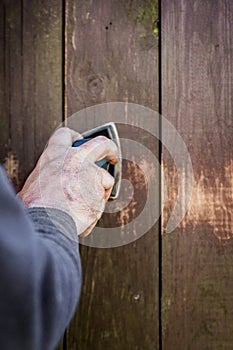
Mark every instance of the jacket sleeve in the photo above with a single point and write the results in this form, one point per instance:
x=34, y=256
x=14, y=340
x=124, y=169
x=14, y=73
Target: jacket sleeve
x=40, y=273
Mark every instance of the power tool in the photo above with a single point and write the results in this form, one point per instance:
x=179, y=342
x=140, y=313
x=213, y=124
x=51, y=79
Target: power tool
x=108, y=130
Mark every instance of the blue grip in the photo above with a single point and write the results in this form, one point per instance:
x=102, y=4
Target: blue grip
x=102, y=163
x=80, y=142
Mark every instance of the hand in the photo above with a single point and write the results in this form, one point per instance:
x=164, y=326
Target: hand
x=67, y=178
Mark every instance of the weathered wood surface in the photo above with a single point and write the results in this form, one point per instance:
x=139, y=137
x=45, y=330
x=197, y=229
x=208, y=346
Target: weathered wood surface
x=197, y=75
x=112, y=55
x=31, y=81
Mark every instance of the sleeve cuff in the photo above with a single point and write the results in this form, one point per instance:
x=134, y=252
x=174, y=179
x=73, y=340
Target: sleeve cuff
x=48, y=220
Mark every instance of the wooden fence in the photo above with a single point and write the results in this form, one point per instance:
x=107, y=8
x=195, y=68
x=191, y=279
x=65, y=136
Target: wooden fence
x=165, y=290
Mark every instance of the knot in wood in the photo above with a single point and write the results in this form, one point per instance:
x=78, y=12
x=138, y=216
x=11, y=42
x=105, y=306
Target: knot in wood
x=95, y=87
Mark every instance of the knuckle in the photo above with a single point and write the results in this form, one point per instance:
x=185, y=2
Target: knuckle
x=59, y=132
x=108, y=176
x=64, y=129
x=108, y=179
x=102, y=138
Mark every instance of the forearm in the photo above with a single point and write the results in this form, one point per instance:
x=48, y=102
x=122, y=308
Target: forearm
x=61, y=271
x=40, y=273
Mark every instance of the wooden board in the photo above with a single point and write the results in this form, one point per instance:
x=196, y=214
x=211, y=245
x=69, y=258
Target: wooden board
x=31, y=81
x=112, y=55
x=197, y=66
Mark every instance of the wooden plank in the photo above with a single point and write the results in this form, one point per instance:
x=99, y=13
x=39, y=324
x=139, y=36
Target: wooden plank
x=10, y=80
x=31, y=81
x=111, y=55
x=197, y=95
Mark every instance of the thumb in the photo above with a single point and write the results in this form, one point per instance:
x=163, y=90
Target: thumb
x=64, y=137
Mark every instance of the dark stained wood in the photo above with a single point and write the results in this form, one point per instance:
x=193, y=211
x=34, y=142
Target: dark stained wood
x=31, y=81
x=197, y=66
x=10, y=80
x=112, y=55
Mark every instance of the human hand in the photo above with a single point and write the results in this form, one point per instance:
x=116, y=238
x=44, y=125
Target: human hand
x=67, y=178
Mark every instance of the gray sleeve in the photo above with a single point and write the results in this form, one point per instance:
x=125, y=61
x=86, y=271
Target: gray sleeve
x=40, y=273
x=48, y=220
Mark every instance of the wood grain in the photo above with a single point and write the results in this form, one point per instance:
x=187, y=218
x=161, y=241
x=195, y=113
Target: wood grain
x=111, y=55
x=197, y=66
x=31, y=81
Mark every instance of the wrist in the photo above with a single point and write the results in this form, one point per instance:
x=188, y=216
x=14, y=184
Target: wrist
x=44, y=217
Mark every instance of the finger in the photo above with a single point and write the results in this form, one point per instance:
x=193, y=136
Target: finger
x=64, y=137
x=107, y=194
x=89, y=229
x=107, y=180
x=99, y=148
x=108, y=183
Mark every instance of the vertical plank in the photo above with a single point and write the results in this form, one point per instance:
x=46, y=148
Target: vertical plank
x=31, y=81
x=111, y=55
x=197, y=66
x=31, y=42
x=10, y=80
